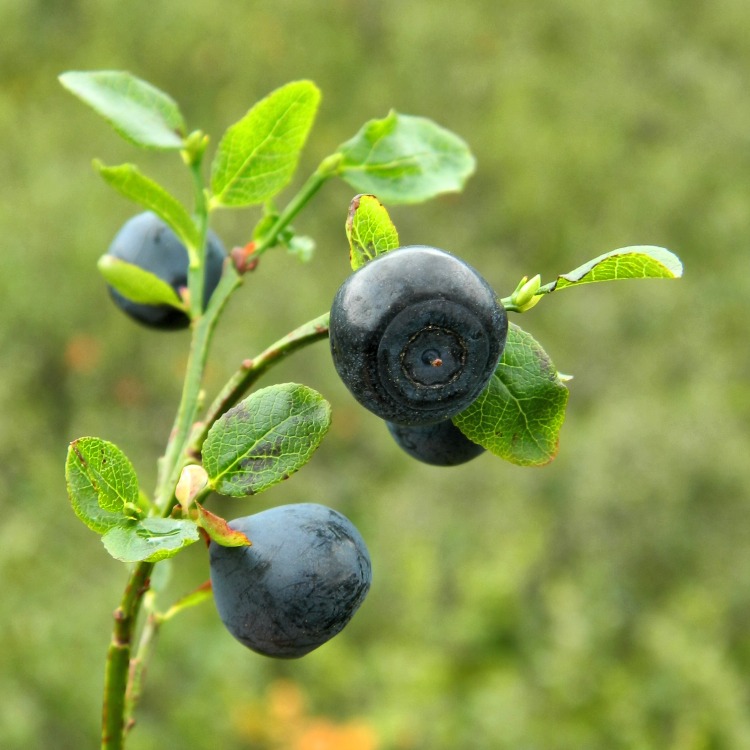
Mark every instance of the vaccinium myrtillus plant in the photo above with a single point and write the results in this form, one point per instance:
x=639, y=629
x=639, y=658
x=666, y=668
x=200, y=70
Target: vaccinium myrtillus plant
x=417, y=335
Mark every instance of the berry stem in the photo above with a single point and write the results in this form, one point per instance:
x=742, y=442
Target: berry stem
x=317, y=179
x=251, y=369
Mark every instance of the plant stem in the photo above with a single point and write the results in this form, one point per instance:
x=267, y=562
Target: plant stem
x=118, y=657
x=123, y=676
x=116, y=699
x=197, y=267
x=325, y=170
x=192, y=155
x=203, y=327
x=147, y=641
x=251, y=369
x=138, y=666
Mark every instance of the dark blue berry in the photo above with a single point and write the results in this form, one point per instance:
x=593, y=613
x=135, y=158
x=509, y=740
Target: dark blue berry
x=305, y=575
x=416, y=335
x=439, y=444
x=146, y=241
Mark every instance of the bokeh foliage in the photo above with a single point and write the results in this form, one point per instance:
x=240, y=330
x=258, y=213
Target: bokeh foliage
x=600, y=602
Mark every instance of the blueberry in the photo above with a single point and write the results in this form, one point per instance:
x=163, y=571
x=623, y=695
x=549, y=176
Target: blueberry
x=298, y=585
x=416, y=335
x=147, y=242
x=439, y=444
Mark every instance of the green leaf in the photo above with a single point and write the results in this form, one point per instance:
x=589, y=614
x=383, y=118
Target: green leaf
x=102, y=484
x=138, y=111
x=405, y=159
x=151, y=539
x=636, y=262
x=369, y=230
x=136, y=284
x=258, y=155
x=130, y=182
x=519, y=415
x=265, y=438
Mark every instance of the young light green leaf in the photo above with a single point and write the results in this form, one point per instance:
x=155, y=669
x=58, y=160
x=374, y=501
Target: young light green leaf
x=197, y=596
x=300, y=246
x=266, y=222
x=136, y=284
x=369, y=230
x=519, y=414
x=102, y=484
x=257, y=156
x=151, y=539
x=133, y=184
x=405, y=159
x=265, y=438
x=219, y=530
x=138, y=111
x=636, y=262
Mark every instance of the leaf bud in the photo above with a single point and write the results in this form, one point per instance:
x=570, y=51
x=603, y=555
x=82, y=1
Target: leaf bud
x=192, y=482
x=525, y=296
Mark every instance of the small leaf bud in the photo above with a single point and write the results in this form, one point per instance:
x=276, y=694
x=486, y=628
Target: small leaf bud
x=193, y=481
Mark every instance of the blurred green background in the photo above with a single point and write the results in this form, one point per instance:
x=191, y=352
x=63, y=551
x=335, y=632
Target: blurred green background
x=600, y=602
